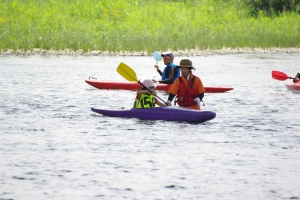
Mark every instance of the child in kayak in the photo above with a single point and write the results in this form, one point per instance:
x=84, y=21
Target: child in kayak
x=144, y=98
x=297, y=78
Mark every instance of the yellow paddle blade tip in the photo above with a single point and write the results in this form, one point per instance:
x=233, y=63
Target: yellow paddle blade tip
x=128, y=73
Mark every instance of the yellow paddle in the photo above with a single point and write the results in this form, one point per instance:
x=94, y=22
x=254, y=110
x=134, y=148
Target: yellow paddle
x=130, y=75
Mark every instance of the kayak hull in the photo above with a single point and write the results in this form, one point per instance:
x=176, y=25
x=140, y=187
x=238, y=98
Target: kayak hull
x=167, y=113
x=114, y=85
x=293, y=86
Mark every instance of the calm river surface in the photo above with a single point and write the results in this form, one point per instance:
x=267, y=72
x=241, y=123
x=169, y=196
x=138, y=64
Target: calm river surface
x=53, y=147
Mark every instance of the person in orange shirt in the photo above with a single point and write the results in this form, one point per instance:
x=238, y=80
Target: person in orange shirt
x=188, y=87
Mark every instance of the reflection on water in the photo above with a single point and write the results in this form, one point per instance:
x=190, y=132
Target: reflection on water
x=54, y=147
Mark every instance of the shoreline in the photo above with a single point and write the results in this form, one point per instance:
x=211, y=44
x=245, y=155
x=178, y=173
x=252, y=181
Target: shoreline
x=188, y=53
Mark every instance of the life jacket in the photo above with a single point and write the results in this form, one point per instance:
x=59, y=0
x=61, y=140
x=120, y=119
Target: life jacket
x=186, y=95
x=145, y=101
x=166, y=70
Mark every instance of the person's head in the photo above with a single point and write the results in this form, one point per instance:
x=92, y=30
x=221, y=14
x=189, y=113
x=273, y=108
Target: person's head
x=168, y=57
x=149, y=84
x=186, y=67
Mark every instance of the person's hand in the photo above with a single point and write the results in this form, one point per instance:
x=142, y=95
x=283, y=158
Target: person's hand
x=153, y=92
x=154, y=80
x=156, y=67
x=169, y=103
x=197, y=101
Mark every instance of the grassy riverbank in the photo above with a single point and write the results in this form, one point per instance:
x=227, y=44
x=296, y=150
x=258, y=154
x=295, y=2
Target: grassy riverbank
x=125, y=25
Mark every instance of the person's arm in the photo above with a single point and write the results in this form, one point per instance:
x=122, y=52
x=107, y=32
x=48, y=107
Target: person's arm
x=200, y=90
x=158, y=70
x=199, y=99
x=170, y=99
x=201, y=96
x=159, y=103
x=170, y=75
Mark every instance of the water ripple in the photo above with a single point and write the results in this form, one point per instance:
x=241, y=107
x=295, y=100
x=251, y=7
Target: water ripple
x=54, y=147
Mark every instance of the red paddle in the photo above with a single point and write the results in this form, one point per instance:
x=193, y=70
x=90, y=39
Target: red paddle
x=280, y=76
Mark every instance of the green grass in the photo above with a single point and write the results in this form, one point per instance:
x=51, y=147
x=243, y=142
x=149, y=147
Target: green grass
x=141, y=25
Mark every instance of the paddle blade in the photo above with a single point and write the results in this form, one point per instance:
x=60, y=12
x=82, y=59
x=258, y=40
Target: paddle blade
x=128, y=73
x=157, y=56
x=279, y=75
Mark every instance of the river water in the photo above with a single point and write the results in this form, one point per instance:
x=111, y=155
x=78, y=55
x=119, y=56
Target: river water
x=53, y=147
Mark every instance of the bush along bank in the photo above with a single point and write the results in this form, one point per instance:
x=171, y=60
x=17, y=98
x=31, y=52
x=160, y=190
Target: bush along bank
x=126, y=26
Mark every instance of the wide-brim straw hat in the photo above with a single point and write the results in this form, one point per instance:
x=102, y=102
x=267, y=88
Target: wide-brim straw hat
x=186, y=63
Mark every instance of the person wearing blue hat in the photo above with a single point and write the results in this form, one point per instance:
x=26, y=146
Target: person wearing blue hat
x=171, y=72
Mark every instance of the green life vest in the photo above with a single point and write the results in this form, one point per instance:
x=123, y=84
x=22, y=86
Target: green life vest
x=146, y=101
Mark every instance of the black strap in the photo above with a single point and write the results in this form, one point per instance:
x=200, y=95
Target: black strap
x=192, y=83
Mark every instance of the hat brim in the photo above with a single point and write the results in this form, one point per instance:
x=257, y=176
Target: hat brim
x=163, y=55
x=179, y=66
x=168, y=54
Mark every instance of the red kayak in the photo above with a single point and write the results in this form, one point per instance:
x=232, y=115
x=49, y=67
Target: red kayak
x=293, y=86
x=115, y=85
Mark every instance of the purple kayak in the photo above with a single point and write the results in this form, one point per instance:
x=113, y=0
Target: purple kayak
x=167, y=113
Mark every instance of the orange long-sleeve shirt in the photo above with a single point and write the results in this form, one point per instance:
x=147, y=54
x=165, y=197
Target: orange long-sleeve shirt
x=197, y=84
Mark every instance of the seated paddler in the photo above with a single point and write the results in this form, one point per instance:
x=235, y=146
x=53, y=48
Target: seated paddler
x=188, y=87
x=146, y=99
x=297, y=78
x=170, y=72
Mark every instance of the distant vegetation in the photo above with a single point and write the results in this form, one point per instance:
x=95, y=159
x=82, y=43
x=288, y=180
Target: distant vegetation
x=271, y=7
x=148, y=25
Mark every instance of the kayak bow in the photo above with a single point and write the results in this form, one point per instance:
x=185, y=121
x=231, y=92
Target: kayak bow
x=293, y=86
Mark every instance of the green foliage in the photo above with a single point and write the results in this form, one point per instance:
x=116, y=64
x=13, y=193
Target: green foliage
x=141, y=25
x=271, y=7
